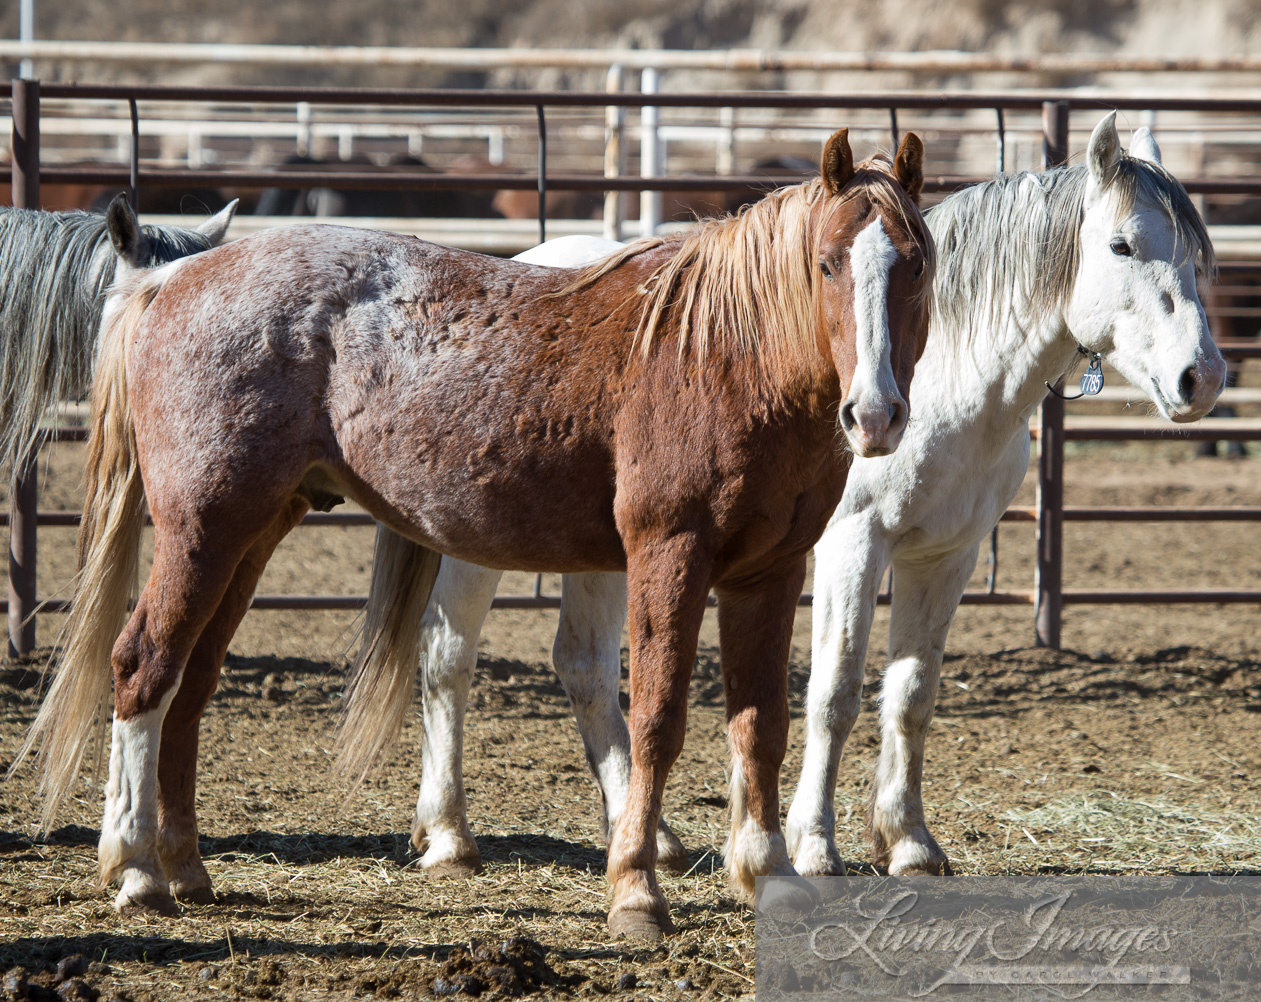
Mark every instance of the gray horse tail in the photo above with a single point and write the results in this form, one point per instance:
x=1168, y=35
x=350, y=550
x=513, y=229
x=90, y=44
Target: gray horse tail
x=403, y=576
x=72, y=717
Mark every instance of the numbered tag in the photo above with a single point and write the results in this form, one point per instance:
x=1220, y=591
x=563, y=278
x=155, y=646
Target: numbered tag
x=1092, y=378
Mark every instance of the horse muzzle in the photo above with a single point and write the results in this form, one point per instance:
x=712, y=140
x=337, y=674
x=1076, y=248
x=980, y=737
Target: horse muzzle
x=1195, y=393
x=874, y=429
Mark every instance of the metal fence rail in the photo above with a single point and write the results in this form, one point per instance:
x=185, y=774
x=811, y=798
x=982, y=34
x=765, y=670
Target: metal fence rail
x=1048, y=595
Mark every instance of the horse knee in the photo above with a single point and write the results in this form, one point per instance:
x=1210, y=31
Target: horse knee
x=908, y=696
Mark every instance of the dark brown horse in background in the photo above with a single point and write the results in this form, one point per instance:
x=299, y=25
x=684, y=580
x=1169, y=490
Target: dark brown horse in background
x=675, y=411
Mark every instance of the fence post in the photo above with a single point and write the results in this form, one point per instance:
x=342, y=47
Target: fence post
x=649, y=157
x=1050, y=572
x=614, y=120
x=24, y=497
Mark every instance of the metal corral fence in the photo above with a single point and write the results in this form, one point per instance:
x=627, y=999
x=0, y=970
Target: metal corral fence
x=1052, y=431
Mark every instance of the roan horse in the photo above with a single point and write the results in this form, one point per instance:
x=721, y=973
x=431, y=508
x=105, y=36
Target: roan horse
x=54, y=270
x=1104, y=255
x=510, y=415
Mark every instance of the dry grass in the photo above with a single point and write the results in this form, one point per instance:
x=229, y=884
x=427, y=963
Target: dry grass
x=1124, y=835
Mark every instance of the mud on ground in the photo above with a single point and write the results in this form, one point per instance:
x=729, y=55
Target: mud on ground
x=1133, y=751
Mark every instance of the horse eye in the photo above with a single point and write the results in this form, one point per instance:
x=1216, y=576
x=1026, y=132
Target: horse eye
x=919, y=272
x=1120, y=247
x=827, y=269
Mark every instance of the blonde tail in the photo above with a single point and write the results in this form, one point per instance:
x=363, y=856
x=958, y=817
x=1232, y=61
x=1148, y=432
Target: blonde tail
x=72, y=718
x=403, y=576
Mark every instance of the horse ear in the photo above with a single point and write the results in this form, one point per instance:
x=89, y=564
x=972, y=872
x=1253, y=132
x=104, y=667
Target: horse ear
x=1143, y=145
x=838, y=162
x=908, y=165
x=216, y=227
x=125, y=234
x=1104, y=151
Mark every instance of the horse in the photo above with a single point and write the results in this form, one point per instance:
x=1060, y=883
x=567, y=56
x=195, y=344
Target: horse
x=1104, y=255
x=506, y=414
x=54, y=270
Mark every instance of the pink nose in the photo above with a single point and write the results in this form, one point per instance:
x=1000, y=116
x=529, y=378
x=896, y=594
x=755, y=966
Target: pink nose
x=1199, y=387
x=874, y=431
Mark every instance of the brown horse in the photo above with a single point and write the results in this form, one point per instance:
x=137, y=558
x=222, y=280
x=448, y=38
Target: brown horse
x=673, y=411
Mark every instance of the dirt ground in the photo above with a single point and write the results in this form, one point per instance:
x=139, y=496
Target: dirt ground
x=1135, y=750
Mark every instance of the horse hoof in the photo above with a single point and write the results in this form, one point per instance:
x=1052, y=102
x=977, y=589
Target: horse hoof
x=468, y=866
x=940, y=868
x=193, y=894
x=151, y=902
x=671, y=854
x=787, y=898
x=915, y=859
x=816, y=857
x=645, y=926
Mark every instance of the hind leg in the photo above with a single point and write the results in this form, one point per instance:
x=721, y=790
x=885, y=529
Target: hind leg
x=177, y=765
x=195, y=560
x=588, y=658
x=462, y=597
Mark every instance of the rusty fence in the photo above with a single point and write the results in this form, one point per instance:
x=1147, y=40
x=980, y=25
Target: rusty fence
x=1048, y=596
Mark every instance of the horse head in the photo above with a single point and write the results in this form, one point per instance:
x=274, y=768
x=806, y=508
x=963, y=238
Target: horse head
x=140, y=247
x=875, y=258
x=1135, y=298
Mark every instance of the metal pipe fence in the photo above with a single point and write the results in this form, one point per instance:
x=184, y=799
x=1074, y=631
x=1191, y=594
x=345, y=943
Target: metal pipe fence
x=1048, y=595
x=934, y=62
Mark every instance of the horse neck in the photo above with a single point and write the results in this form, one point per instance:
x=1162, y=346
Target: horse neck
x=993, y=374
x=813, y=390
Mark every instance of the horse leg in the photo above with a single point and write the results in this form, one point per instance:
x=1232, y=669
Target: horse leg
x=177, y=762
x=668, y=583
x=588, y=658
x=925, y=598
x=755, y=631
x=848, y=563
x=462, y=597
x=194, y=562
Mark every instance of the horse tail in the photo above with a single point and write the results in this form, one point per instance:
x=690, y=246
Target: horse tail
x=403, y=576
x=72, y=718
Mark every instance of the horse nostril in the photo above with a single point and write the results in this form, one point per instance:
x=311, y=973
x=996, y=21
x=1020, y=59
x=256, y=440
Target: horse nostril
x=847, y=415
x=1186, y=383
x=897, y=416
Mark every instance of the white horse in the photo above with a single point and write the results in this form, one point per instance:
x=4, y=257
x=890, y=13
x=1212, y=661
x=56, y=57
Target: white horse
x=1032, y=268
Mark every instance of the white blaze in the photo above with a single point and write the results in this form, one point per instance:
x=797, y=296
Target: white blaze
x=871, y=257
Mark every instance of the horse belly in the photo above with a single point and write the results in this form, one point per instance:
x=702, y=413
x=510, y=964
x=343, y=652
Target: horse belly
x=486, y=480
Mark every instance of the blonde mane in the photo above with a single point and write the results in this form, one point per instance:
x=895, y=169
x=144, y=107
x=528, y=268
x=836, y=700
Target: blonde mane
x=748, y=285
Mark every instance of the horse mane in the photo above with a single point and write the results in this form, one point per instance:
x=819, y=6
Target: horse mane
x=54, y=270
x=1021, y=234
x=747, y=285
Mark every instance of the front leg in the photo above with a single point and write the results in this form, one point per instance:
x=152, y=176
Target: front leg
x=849, y=561
x=755, y=625
x=588, y=658
x=668, y=583
x=925, y=597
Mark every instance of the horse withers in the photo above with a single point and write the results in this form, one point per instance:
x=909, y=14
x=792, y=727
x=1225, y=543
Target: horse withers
x=509, y=415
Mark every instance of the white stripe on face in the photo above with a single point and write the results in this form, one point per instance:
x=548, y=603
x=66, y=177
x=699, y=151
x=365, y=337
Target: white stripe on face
x=871, y=257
